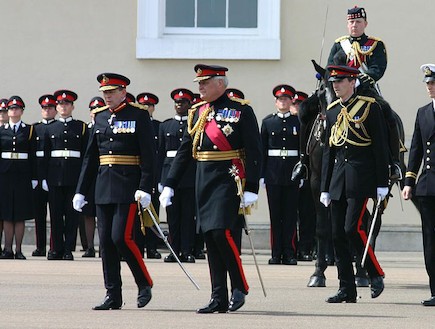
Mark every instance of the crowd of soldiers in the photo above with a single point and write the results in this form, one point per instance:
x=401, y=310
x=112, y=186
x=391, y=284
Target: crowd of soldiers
x=210, y=152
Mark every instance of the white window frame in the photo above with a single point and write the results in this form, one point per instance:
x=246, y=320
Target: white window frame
x=155, y=41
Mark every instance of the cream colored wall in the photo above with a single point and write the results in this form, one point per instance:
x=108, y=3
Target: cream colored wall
x=53, y=44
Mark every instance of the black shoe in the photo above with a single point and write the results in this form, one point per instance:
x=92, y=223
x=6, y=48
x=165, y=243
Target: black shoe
x=317, y=281
x=108, y=303
x=7, y=255
x=289, y=261
x=237, y=300
x=275, y=261
x=342, y=296
x=305, y=256
x=428, y=302
x=144, y=296
x=187, y=258
x=153, y=254
x=19, y=255
x=212, y=307
x=299, y=172
x=170, y=259
x=39, y=252
x=68, y=256
x=90, y=252
x=377, y=286
x=361, y=281
x=200, y=254
x=54, y=255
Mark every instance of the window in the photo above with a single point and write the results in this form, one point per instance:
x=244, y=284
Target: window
x=208, y=29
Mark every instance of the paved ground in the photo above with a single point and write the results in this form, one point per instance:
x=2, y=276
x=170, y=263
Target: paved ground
x=57, y=294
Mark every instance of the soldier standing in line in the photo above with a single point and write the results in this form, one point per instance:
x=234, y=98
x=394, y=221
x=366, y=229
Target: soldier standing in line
x=3, y=120
x=223, y=137
x=422, y=146
x=48, y=113
x=181, y=214
x=280, y=142
x=121, y=155
x=66, y=142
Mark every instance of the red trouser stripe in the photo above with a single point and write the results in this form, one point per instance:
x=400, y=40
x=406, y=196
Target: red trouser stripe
x=237, y=257
x=132, y=245
x=363, y=236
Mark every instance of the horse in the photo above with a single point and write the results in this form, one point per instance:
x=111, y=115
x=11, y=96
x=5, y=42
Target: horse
x=312, y=115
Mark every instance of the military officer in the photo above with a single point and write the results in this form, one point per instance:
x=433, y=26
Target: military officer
x=66, y=141
x=3, y=120
x=181, y=214
x=121, y=156
x=355, y=168
x=48, y=113
x=151, y=240
x=222, y=136
x=422, y=148
x=17, y=177
x=280, y=142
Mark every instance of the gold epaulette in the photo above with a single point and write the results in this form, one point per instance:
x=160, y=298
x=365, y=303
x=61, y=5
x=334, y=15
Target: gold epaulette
x=240, y=100
x=139, y=106
x=366, y=98
x=344, y=37
x=100, y=109
x=198, y=104
x=333, y=104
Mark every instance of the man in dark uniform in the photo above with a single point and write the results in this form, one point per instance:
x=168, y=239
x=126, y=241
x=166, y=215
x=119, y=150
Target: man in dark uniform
x=223, y=137
x=121, y=155
x=280, y=142
x=181, y=214
x=422, y=146
x=355, y=168
x=48, y=113
x=66, y=141
x=150, y=240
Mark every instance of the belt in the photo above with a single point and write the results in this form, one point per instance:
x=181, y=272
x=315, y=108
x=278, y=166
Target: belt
x=131, y=160
x=40, y=154
x=220, y=155
x=65, y=154
x=15, y=155
x=171, y=154
x=282, y=153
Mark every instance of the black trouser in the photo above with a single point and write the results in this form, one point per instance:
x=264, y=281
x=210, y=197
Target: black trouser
x=427, y=211
x=223, y=257
x=41, y=201
x=181, y=220
x=115, y=228
x=63, y=218
x=347, y=216
x=283, y=206
x=307, y=219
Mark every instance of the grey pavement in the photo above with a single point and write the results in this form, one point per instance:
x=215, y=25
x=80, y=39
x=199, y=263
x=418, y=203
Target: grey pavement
x=37, y=293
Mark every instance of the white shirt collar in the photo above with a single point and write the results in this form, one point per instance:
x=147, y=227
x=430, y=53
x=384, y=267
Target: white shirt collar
x=283, y=115
x=180, y=118
x=65, y=119
x=18, y=124
x=45, y=121
x=433, y=103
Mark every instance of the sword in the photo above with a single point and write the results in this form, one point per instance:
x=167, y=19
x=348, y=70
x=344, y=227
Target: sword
x=165, y=240
x=248, y=231
x=372, y=227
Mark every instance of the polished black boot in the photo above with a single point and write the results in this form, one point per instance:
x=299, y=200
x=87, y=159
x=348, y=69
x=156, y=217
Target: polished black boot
x=213, y=306
x=428, y=302
x=153, y=254
x=109, y=303
x=144, y=296
x=237, y=300
x=377, y=286
x=342, y=296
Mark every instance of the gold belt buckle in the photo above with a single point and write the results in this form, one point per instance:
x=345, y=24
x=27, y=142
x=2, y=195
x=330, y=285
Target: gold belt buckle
x=65, y=153
x=14, y=155
x=283, y=153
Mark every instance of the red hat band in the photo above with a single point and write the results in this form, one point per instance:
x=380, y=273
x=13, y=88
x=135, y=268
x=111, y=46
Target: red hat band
x=16, y=103
x=48, y=102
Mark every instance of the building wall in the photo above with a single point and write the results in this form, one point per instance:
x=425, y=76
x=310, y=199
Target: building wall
x=53, y=44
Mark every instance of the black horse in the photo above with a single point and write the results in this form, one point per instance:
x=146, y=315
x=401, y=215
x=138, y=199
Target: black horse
x=312, y=115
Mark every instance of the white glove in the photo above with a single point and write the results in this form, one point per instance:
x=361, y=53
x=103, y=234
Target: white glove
x=325, y=199
x=262, y=185
x=249, y=199
x=301, y=183
x=381, y=192
x=143, y=197
x=160, y=187
x=79, y=202
x=165, y=196
x=34, y=183
x=44, y=185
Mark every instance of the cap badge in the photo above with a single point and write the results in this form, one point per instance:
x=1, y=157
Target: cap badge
x=180, y=93
x=145, y=98
x=282, y=89
x=63, y=95
x=105, y=79
x=46, y=99
x=14, y=101
x=96, y=102
x=427, y=71
x=199, y=71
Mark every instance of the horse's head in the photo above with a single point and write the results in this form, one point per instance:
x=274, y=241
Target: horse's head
x=324, y=91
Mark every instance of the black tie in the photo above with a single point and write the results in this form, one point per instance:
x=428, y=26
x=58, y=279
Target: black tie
x=15, y=129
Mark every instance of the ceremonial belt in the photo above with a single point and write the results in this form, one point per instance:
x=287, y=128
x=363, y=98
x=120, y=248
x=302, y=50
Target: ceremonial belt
x=129, y=160
x=40, y=154
x=65, y=154
x=220, y=155
x=15, y=155
x=171, y=154
x=282, y=153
